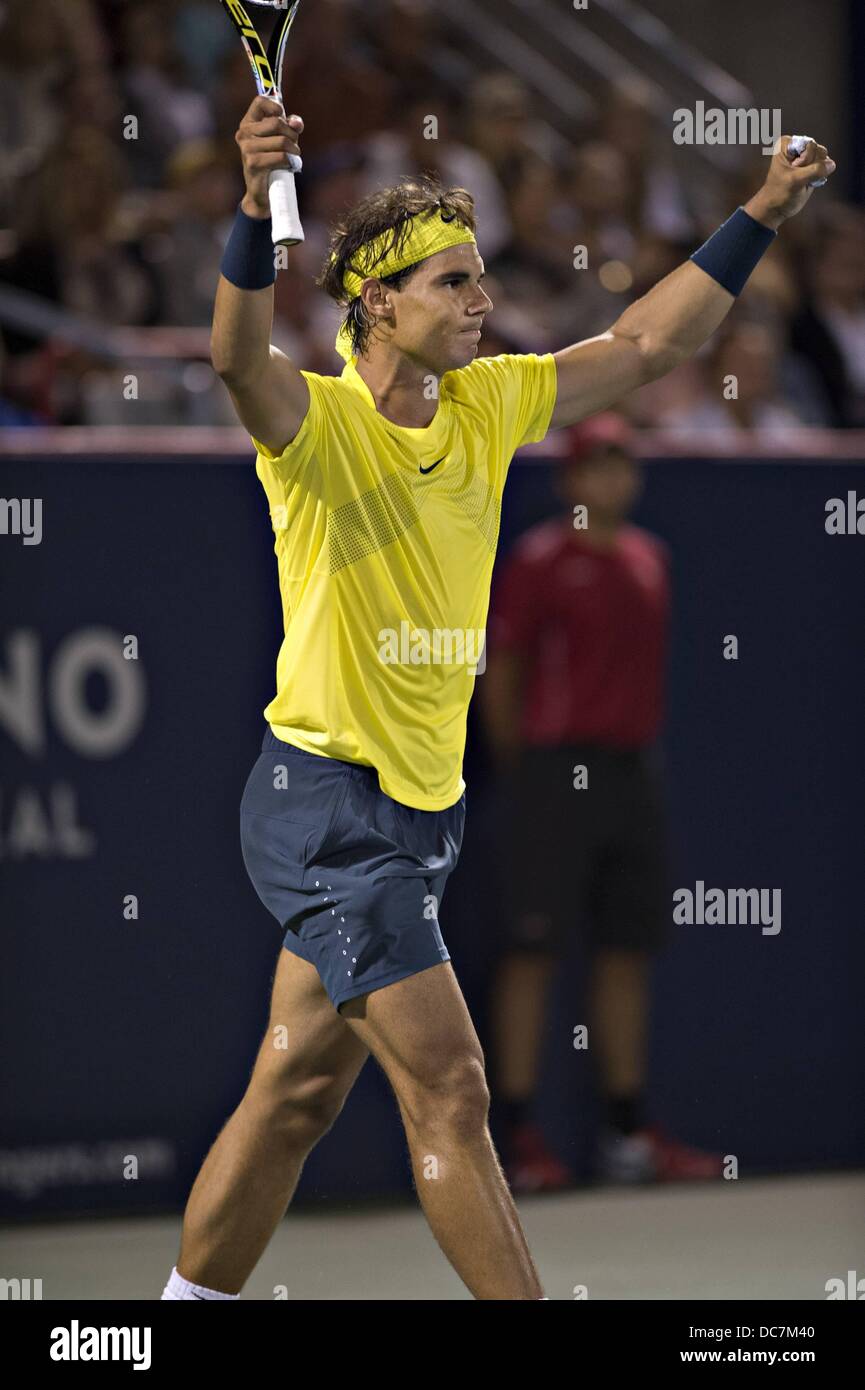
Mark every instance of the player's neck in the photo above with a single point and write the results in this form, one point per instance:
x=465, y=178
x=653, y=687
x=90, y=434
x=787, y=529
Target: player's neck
x=400, y=388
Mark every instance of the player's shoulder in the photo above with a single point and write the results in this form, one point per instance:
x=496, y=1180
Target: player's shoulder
x=542, y=543
x=641, y=541
x=487, y=375
x=325, y=383
x=644, y=547
x=330, y=396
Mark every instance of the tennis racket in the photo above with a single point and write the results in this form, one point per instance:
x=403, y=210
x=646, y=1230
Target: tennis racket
x=267, y=70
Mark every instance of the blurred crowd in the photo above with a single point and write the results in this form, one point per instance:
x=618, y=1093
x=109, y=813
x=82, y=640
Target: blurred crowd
x=119, y=178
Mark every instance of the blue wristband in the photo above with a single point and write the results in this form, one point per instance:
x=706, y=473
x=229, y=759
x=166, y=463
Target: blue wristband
x=248, y=257
x=732, y=252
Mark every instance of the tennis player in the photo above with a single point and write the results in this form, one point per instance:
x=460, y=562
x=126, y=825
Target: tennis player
x=384, y=487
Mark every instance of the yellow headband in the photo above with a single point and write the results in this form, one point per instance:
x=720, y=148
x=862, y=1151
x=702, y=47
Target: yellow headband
x=427, y=236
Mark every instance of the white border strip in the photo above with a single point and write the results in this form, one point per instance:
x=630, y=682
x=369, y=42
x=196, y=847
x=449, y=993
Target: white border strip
x=170, y=444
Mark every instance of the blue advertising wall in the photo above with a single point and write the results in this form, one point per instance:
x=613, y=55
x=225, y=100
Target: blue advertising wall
x=128, y=1035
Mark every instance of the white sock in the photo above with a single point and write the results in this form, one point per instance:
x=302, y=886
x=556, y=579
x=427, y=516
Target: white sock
x=180, y=1289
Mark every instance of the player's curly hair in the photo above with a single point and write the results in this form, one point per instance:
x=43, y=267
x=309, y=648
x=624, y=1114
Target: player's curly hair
x=387, y=210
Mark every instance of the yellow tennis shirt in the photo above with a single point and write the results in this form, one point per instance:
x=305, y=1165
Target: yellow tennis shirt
x=385, y=539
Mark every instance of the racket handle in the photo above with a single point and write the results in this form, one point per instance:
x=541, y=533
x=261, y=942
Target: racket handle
x=287, y=230
x=798, y=144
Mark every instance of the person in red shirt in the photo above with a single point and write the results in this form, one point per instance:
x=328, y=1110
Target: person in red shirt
x=572, y=702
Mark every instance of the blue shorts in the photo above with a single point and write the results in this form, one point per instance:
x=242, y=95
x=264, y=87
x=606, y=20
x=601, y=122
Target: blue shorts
x=355, y=878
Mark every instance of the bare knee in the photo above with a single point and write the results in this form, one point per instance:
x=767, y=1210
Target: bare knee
x=456, y=1099
x=301, y=1113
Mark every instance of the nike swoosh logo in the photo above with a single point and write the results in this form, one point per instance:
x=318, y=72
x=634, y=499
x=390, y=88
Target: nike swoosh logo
x=433, y=465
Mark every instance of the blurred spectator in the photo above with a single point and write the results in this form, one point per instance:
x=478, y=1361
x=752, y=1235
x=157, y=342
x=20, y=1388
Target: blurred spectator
x=656, y=199
x=30, y=64
x=402, y=39
x=329, y=80
x=204, y=38
x=501, y=125
x=167, y=394
x=54, y=72
x=830, y=330
x=305, y=321
x=188, y=267
x=126, y=225
x=421, y=143
x=232, y=94
x=156, y=83
x=72, y=241
x=600, y=190
x=535, y=268
x=769, y=300
x=773, y=297
x=740, y=387
x=333, y=184
x=653, y=258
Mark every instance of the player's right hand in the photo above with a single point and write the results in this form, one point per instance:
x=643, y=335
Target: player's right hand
x=267, y=140
x=789, y=184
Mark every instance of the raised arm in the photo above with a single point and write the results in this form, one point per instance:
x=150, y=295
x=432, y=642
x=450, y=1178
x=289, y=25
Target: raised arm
x=669, y=324
x=269, y=394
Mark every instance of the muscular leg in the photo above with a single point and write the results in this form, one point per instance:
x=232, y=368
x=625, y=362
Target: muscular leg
x=518, y=1011
x=619, y=993
x=420, y=1031
x=308, y=1062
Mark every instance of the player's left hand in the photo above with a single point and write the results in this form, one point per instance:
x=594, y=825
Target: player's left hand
x=789, y=184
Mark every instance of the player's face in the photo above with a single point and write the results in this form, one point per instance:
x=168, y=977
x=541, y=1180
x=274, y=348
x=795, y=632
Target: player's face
x=440, y=310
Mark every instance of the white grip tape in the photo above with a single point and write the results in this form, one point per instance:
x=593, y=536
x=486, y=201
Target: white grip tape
x=799, y=143
x=287, y=230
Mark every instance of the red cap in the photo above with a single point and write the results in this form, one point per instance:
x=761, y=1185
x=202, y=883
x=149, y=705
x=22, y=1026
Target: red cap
x=604, y=431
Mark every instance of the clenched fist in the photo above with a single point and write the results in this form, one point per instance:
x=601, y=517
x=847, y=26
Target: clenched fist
x=788, y=184
x=268, y=140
